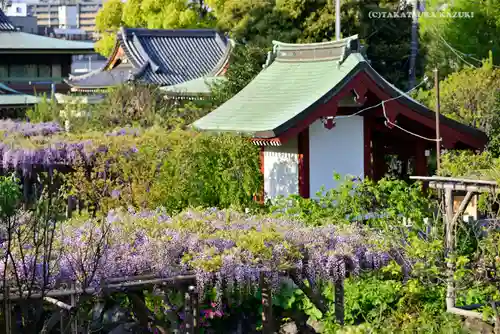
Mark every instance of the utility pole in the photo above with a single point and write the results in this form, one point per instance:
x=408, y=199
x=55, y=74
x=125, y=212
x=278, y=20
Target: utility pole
x=438, y=136
x=337, y=19
x=414, y=44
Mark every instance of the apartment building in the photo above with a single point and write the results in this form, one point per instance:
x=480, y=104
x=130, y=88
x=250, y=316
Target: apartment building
x=59, y=14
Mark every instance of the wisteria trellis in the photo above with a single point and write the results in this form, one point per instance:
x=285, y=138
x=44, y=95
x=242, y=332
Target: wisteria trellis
x=221, y=247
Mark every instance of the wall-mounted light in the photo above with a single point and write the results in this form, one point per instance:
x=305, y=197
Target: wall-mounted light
x=328, y=122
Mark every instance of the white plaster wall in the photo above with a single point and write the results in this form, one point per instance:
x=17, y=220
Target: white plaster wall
x=281, y=171
x=339, y=150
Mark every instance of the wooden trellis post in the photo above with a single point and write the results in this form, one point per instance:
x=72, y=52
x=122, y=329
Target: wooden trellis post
x=191, y=311
x=7, y=311
x=451, y=218
x=267, y=304
x=339, y=301
x=74, y=316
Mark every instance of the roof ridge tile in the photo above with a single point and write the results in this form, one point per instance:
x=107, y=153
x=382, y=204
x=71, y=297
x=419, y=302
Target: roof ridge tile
x=332, y=50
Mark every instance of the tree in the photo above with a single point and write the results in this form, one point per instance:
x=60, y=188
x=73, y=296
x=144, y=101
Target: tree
x=471, y=96
x=107, y=22
x=454, y=42
x=245, y=63
x=152, y=14
x=307, y=21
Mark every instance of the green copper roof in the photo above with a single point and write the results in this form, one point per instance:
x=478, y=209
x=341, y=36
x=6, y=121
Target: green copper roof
x=11, y=97
x=20, y=42
x=16, y=100
x=200, y=86
x=299, y=77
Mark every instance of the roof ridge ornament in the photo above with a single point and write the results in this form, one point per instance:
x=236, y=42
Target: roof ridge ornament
x=337, y=50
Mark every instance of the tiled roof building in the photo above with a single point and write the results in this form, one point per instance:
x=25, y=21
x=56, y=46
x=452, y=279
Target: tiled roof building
x=31, y=62
x=160, y=57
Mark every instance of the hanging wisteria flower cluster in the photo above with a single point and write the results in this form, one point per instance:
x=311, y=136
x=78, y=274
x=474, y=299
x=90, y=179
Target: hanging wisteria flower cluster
x=50, y=155
x=27, y=129
x=223, y=248
x=124, y=131
x=26, y=145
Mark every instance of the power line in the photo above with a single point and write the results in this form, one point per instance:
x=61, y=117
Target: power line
x=387, y=118
x=407, y=131
x=458, y=53
x=381, y=103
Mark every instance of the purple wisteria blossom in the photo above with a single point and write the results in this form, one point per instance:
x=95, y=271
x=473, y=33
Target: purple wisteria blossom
x=124, y=132
x=27, y=129
x=223, y=248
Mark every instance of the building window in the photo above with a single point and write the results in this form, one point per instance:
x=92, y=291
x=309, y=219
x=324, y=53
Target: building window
x=17, y=72
x=19, y=10
x=31, y=71
x=4, y=72
x=44, y=71
x=56, y=71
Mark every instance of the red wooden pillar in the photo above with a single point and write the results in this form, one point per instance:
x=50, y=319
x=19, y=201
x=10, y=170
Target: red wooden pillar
x=260, y=197
x=420, y=159
x=304, y=172
x=379, y=165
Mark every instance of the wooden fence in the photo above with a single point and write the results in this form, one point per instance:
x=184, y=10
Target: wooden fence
x=64, y=301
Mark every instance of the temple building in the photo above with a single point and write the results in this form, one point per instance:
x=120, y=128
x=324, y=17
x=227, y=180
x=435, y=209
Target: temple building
x=320, y=108
x=181, y=61
x=36, y=64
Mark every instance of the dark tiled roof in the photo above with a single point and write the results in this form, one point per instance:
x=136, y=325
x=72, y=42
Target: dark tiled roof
x=100, y=78
x=169, y=57
x=5, y=24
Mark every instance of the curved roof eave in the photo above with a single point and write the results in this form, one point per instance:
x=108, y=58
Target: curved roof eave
x=387, y=87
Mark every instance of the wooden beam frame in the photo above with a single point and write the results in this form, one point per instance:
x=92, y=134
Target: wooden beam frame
x=472, y=187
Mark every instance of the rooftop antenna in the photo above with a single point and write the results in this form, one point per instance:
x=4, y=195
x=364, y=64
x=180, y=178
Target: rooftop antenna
x=337, y=19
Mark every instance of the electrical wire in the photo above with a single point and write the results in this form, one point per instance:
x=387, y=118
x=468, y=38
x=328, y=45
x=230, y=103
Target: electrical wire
x=458, y=53
x=407, y=131
x=381, y=103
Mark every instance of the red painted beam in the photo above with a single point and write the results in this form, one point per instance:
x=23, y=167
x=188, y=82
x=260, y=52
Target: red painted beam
x=304, y=164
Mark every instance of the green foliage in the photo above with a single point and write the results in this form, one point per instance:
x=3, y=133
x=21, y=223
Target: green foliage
x=466, y=164
x=132, y=105
x=10, y=195
x=152, y=14
x=245, y=63
x=260, y=22
x=206, y=170
x=174, y=169
x=472, y=38
x=46, y=110
x=375, y=202
x=469, y=96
